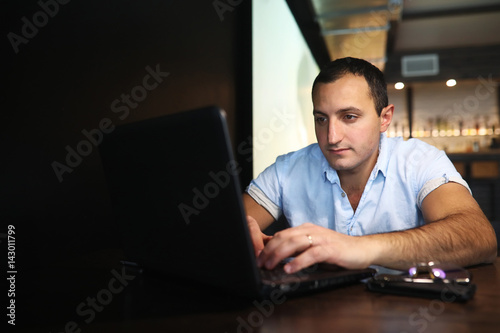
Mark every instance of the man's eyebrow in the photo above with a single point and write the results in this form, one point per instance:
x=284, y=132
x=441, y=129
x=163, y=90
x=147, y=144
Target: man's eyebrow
x=315, y=112
x=342, y=110
x=348, y=109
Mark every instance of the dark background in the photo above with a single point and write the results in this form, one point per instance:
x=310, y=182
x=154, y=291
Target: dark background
x=63, y=81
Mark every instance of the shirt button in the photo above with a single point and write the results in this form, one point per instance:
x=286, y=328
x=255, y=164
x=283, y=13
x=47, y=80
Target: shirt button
x=343, y=195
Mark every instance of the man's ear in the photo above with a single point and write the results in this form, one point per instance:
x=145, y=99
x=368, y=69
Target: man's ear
x=386, y=117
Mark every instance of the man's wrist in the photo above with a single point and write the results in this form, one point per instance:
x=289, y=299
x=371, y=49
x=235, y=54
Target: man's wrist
x=380, y=250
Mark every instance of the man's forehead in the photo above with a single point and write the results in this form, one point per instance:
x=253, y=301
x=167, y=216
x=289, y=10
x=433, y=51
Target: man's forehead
x=348, y=84
x=352, y=89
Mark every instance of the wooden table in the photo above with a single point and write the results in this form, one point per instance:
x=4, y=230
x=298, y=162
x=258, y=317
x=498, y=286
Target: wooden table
x=150, y=304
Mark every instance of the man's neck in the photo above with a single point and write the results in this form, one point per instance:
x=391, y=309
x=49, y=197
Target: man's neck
x=353, y=185
x=353, y=182
x=357, y=178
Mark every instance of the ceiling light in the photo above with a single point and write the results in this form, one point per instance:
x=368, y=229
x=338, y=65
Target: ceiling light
x=399, y=85
x=451, y=83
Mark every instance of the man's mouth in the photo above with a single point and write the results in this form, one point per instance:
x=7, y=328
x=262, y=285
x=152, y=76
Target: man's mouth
x=338, y=150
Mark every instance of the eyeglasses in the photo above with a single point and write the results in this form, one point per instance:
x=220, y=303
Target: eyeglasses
x=430, y=272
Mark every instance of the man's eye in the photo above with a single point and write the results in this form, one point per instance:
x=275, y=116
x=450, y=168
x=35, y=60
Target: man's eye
x=320, y=120
x=350, y=117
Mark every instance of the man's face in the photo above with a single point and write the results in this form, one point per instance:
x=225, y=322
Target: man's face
x=347, y=125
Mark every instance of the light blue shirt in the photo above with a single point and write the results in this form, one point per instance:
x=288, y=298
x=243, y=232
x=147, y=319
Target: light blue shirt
x=302, y=186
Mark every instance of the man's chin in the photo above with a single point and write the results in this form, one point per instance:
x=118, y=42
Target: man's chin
x=340, y=165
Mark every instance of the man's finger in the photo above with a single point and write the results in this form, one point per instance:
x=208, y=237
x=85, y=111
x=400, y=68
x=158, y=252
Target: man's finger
x=307, y=258
x=256, y=235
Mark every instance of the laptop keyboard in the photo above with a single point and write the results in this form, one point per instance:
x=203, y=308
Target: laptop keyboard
x=313, y=277
x=274, y=274
x=278, y=275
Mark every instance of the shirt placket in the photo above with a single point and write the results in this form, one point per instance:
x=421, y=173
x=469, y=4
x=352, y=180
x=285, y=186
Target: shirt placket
x=343, y=209
x=354, y=223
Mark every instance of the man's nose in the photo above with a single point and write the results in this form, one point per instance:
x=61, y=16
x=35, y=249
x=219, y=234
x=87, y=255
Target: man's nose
x=335, y=133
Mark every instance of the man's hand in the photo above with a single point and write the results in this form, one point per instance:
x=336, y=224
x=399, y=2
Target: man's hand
x=312, y=244
x=258, y=219
x=259, y=239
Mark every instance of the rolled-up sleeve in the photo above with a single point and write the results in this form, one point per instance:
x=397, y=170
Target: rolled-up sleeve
x=261, y=198
x=433, y=184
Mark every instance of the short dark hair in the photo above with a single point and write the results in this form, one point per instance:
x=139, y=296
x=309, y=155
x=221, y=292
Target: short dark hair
x=359, y=67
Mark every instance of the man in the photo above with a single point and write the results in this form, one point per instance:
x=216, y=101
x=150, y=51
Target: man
x=358, y=198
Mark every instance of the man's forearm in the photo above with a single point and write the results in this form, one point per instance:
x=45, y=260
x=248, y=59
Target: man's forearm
x=256, y=211
x=463, y=239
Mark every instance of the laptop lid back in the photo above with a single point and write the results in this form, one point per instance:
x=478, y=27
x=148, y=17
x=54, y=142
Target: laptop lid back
x=175, y=192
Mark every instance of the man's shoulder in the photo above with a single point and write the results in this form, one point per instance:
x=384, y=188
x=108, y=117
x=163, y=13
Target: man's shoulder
x=398, y=145
x=305, y=159
x=412, y=152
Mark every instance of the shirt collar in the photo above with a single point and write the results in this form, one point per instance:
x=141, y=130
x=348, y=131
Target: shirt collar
x=329, y=173
x=383, y=157
x=381, y=165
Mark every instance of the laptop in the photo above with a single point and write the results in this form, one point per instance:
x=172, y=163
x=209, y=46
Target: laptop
x=175, y=192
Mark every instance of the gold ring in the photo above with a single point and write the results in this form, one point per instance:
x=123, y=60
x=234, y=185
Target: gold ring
x=310, y=240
